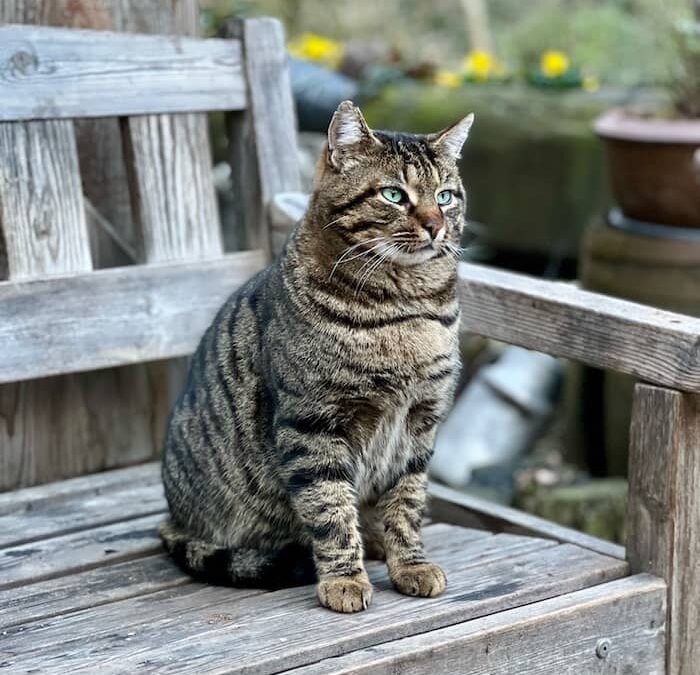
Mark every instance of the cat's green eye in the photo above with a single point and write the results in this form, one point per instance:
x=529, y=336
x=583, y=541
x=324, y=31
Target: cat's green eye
x=444, y=197
x=393, y=195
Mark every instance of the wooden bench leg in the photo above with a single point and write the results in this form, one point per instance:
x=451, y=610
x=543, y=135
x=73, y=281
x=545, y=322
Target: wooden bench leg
x=663, y=517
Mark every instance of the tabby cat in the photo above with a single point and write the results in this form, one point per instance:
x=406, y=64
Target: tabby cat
x=301, y=441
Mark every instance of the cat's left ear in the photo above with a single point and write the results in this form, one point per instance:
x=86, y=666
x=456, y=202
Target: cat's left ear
x=346, y=132
x=452, y=139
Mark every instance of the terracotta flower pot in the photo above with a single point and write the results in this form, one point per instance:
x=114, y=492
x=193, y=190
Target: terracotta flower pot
x=654, y=166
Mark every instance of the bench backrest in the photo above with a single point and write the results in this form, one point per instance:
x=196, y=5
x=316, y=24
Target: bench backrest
x=57, y=313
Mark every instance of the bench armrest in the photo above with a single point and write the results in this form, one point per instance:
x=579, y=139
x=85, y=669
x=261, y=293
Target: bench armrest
x=561, y=319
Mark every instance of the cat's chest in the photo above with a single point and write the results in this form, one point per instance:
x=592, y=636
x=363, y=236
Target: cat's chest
x=385, y=456
x=409, y=346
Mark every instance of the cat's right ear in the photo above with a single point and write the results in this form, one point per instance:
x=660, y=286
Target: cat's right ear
x=346, y=132
x=452, y=139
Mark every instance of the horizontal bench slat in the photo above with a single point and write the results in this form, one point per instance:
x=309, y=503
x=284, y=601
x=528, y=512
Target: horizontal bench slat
x=114, y=317
x=560, y=319
x=57, y=73
x=459, y=508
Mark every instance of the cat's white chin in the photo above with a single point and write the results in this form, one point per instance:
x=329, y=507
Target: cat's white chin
x=414, y=257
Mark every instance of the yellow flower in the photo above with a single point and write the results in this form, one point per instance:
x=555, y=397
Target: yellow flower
x=479, y=65
x=554, y=63
x=590, y=83
x=313, y=47
x=448, y=78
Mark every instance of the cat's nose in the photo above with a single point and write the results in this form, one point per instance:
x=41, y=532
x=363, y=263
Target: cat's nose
x=432, y=223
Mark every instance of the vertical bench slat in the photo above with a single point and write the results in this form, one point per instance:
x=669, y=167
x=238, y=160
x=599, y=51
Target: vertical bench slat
x=249, y=228
x=170, y=174
x=663, y=513
x=264, y=135
x=42, y=215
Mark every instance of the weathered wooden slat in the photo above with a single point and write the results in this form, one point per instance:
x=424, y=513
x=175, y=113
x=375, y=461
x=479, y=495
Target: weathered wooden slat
x=264, y=136
x=451, y=506
x=83, y=513
x=41, y=202
x=93, y=588
x=663, y=511
x=104, y=585
x=66, y=425
x=560, y=319
x=127, y=396
x=78, y=551
x=91, y=637
x=50, y=73
x=115, y=316
x=310, y=633
x=170, y=172
x=552, y=637
x=58, y=427
x=271, y=632
x=43, y=497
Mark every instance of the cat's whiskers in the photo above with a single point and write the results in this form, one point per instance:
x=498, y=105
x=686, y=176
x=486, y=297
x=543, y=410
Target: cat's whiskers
x=333, y=222
x=367, y=267
x=387, y=253
x=457, y=251
x=343, y=257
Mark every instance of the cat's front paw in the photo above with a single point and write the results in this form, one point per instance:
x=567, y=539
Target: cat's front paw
x=423, y=580
x=345, y=594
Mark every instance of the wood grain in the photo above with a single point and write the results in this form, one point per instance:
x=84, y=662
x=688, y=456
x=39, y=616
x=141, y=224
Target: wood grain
x=560, y=319
x=235, y=633
x=663, y=517
x=41, y=203
x=43, y=498
x=78, y=551
x=451, y=506
x=53, y=73
x=264, y=135
x=235, y=620
x=61, y=426
x=92, y=588
x=134, y=314
x=113, y=583
x=170, y=169
x=551, y=637
x=99, y=140
x=81, y=513
x=310, y=634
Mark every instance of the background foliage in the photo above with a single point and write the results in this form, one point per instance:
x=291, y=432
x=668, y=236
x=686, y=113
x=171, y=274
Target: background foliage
x=623, y=42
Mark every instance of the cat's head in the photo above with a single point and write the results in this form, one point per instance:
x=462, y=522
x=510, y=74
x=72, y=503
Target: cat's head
x=398, y=195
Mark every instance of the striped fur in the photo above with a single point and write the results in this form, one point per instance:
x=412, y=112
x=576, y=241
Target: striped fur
x=300, y=443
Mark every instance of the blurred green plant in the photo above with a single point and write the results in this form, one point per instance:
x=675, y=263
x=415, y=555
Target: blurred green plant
x=623, y=42
x=556, y=71
x=685, y=84
x=620, y=46
x=482, y=66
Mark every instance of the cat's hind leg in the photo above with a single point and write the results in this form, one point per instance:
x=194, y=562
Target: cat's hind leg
x=288, y=565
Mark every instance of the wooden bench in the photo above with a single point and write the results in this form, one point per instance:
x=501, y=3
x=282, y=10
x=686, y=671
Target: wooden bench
x=84, y=583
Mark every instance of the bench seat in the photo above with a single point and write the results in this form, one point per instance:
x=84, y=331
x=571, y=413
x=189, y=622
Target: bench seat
x=85, y=584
